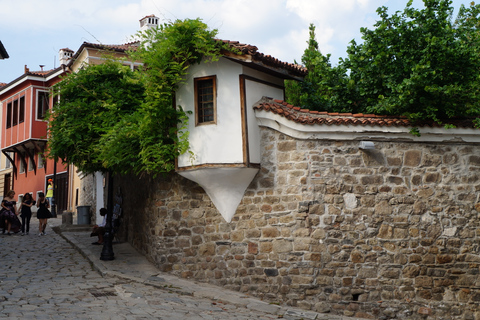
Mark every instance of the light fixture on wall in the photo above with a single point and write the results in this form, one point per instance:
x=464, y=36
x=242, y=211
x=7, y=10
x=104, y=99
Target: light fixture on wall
x=366, y=145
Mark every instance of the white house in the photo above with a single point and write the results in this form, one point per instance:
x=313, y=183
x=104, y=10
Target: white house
x=224, y=135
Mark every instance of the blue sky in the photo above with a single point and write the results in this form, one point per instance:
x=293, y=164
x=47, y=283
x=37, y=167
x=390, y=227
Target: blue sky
x=33, y=31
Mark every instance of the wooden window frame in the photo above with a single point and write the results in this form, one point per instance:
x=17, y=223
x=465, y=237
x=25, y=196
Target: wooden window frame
x=21, y=109
x=15, y=113
x=41, y=109
x=198, y=105
x=40, y=161
x=9, y=115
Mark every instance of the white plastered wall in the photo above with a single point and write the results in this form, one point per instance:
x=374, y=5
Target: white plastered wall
x=220, y=142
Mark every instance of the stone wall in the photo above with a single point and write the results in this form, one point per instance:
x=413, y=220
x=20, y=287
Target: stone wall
x=390, y=233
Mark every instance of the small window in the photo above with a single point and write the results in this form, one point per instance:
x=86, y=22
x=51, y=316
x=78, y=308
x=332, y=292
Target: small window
x=55, y=100
x=30, y=164
x=21, y=110
x=42, y=104
x=205, y=100
x=9, y=115
x=8, y=164
x=15, y=112
x=40, y=161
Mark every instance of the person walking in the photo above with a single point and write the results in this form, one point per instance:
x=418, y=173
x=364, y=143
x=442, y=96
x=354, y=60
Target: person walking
x=26, y=212
x=9, y=214
x=43, y=214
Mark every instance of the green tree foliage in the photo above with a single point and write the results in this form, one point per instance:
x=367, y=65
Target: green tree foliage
x=324, y=87
x=138, y=128
x=93, y=101
x=419, y=63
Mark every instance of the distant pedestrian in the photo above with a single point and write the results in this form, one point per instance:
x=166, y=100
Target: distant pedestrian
x=43, y=214
x=49, y=194
x=26, y=212
x=8, y=214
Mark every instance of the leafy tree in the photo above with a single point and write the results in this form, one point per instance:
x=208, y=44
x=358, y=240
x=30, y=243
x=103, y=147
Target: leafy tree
x=419, y=63
x=93, y=101
x=113, y=119
x=324, y=87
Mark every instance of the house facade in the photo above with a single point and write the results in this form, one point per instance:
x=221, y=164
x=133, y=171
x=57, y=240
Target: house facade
x=224, y=138
x=24, y=103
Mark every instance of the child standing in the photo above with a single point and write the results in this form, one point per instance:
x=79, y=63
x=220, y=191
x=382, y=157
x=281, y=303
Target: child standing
x=43, y=214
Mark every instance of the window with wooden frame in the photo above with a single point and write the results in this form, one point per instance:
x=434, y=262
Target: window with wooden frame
x=21, y=110
x=15, y=112
x=40, y=161
x=205, y=100
x=9, y=115
x=22, y=166
x=31, y=165
x=42, y=103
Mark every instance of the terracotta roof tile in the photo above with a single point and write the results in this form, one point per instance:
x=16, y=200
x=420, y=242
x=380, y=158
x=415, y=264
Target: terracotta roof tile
x=305, y=116
x=268, y=60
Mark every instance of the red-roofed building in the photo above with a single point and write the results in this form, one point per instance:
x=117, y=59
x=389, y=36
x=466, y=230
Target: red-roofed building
x=24, y=103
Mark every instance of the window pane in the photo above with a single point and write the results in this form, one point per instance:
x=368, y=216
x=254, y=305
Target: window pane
x=205, y=100
x=21, y=115
x=15, y=112
x=9, y=115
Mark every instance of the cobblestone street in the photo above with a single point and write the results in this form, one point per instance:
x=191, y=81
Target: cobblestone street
x=46, y=277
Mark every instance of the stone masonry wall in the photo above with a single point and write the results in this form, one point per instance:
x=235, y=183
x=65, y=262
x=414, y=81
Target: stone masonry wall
x=390, y=233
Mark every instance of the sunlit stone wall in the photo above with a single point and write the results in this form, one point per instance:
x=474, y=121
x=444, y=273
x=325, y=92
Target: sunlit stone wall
x=383, y=233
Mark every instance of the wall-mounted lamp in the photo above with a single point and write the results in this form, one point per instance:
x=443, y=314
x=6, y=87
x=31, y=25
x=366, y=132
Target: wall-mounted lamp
x=366, y=145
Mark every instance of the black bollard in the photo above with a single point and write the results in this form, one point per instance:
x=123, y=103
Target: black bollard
x=107, y=250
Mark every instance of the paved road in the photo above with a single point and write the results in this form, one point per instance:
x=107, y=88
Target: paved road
x=44, y=277
x=48, y=277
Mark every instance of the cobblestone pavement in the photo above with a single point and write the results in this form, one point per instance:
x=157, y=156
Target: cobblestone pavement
x=60, y=276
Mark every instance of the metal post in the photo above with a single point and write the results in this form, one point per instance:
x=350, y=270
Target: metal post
x=107, y=250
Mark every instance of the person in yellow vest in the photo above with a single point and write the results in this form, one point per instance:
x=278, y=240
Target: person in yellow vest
x=49, y=194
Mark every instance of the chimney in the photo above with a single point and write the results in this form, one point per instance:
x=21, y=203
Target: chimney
x=65, y=55
x=26, y=69
x=148, y=22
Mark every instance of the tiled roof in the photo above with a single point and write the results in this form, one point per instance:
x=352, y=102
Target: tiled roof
x=268, y=60
x=44, y=74
x=244, y=49
x=40, y=73
x=308, y=117
x=115, y=47
x=2, y=84
x=149, y=16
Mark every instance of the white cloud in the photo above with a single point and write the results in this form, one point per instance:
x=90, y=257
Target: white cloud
x=33, y=30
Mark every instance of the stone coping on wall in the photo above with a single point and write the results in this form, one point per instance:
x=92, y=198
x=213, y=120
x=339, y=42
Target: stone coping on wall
x=349, y=127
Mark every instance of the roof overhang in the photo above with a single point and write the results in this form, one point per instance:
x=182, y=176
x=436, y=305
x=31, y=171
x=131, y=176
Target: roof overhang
x=3, y=52
x=276, y=69
x=29, y=76
x=30, y=144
